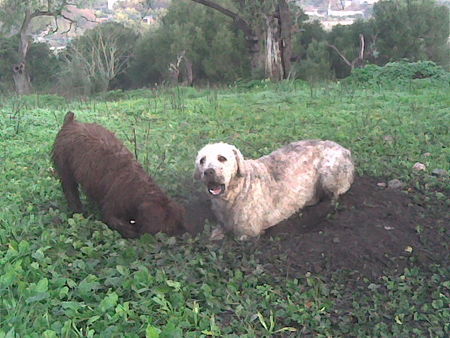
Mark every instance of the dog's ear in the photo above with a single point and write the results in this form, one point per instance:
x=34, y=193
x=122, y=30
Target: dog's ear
x=241, y=171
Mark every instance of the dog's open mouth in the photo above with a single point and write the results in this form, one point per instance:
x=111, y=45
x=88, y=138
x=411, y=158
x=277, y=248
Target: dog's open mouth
x=216, y=189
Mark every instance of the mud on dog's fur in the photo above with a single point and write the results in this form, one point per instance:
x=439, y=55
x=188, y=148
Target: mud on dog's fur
x=91, y=156
x=249, y=196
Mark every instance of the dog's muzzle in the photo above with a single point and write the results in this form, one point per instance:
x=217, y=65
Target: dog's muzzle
x=213, y=183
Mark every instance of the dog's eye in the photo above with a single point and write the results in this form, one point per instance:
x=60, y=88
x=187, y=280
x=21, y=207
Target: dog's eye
x=222, y=159
x=202, y=160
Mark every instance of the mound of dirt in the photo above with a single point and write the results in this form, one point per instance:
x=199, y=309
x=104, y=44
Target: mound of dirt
x=371, y=231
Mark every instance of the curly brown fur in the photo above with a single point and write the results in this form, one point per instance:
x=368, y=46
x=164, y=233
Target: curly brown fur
x=91, y=156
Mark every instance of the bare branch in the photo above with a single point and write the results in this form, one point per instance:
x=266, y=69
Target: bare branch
x=69, y=29
x=239, y=21
x=87, y=19
x=42, y=13
x=361, y=51
x=341, y=55
x=358, y=60
x=217, y=7
x=56, y=25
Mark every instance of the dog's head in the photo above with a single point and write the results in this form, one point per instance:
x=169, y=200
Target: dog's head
x=153, y=217
x=216, y=165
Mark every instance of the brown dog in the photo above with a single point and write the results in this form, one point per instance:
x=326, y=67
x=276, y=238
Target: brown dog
x=89, y=155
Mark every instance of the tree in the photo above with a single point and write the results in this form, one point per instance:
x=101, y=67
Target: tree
x=8, y=55
x=411, y=29
x=17, y=17
x=267, y=26
x=200, y=44
x=352, y=46
x=315, y=66
x=308, y=32
x=100, y=55
x=43, y=66
x=42, y=63
x=358, y=60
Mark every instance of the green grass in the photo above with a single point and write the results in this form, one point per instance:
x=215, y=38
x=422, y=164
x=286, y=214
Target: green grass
x=72, y=276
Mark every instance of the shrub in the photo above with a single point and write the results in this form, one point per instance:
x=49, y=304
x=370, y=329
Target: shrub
x=397, y=72
x=97, y=60
x=412, y=70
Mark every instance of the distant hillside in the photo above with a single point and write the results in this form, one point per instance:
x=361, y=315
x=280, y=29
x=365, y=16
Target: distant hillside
x=138, y=14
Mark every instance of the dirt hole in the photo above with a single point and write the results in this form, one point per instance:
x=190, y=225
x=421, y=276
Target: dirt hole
x=373, y=230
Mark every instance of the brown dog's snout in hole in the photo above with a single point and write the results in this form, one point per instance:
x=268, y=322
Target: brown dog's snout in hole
x=90, y=156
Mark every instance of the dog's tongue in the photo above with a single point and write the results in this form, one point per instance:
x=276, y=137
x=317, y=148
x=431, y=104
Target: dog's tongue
x=216, y=190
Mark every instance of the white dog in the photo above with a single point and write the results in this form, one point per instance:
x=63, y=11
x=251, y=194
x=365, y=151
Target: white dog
x=249, y=196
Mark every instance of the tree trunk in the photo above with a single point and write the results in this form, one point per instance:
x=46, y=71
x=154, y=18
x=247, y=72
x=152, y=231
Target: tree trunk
x=257, y=54
x=189, y=74
x=174, y=74
x=279, y=42
x=20, y=73
x=275, y=58
x=274, y=64
x=21, y=79
x=286, y=36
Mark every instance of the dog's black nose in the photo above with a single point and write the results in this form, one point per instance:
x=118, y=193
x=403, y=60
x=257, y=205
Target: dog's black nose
x=209, y=172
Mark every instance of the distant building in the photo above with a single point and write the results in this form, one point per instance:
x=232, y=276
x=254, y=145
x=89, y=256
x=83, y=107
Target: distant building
x=329, y=24
x=314, y=12
x=111, y=3
x=343, y=13
x=149, y=19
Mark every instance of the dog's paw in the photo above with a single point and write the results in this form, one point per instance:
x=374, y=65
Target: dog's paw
x=217, y=234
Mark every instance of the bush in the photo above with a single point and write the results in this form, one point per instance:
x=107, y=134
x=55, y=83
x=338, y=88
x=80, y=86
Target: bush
x=366, y=74
x=397, y=72
x=412, y=70
x=97, y=60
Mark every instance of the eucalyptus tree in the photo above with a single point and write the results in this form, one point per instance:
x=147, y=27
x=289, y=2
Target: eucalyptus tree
x=17, y=17
x=412, y=29
x=101, y=55
x=267, y=26
x=192, y=44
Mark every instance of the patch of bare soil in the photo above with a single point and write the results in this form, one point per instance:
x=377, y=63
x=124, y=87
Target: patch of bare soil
x=372, y=230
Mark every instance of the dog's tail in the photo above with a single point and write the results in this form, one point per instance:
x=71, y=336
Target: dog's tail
x=70, y=117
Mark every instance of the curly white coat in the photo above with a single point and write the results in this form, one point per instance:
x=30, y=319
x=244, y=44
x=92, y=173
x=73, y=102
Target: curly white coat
x=258, y=194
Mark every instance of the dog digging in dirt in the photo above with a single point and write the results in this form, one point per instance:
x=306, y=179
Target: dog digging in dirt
x=249, y=196
x=130, y=202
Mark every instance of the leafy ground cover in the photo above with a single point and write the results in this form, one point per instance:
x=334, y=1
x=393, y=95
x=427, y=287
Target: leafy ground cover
x=378, y=265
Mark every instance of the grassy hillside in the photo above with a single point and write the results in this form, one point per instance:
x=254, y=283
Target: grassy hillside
x=72, y=276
